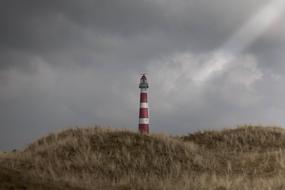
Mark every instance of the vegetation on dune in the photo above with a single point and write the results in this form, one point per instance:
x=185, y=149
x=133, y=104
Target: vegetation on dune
x=242, y=139
x=105, y=154
x=247, y=157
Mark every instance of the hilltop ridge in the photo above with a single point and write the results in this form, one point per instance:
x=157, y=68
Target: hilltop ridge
x=248, y=157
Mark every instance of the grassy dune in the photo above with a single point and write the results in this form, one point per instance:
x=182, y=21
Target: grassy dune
x=247, y=157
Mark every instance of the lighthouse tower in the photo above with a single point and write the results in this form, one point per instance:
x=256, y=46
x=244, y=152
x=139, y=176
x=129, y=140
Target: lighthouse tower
x=143, y=113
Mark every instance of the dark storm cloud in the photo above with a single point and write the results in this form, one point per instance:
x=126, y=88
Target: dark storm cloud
x=39, y=27
x=69, y=62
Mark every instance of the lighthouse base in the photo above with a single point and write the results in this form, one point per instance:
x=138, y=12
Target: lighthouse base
x=144, y=128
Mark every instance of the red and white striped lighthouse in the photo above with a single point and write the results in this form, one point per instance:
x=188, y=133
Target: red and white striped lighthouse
x=143, y=113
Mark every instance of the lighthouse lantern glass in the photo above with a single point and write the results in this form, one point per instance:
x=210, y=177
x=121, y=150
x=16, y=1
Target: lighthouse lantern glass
x=143, y=82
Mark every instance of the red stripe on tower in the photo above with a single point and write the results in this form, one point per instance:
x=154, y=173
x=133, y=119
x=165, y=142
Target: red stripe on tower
x=143, y=97
x=143, y=113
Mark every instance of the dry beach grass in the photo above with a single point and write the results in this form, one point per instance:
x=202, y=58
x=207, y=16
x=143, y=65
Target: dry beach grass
x=248, y=157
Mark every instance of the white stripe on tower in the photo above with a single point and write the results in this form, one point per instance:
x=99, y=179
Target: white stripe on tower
x=144, y=105
x=144, y=121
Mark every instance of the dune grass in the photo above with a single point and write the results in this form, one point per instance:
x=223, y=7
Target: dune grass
x=248, y=157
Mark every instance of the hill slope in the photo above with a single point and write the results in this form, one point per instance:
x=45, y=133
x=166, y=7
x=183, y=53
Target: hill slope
x=96, y=158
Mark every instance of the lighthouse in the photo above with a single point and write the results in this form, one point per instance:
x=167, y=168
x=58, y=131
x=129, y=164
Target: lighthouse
x=143, y=112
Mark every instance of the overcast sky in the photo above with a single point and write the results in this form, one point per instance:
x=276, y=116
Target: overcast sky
x=210, y=64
